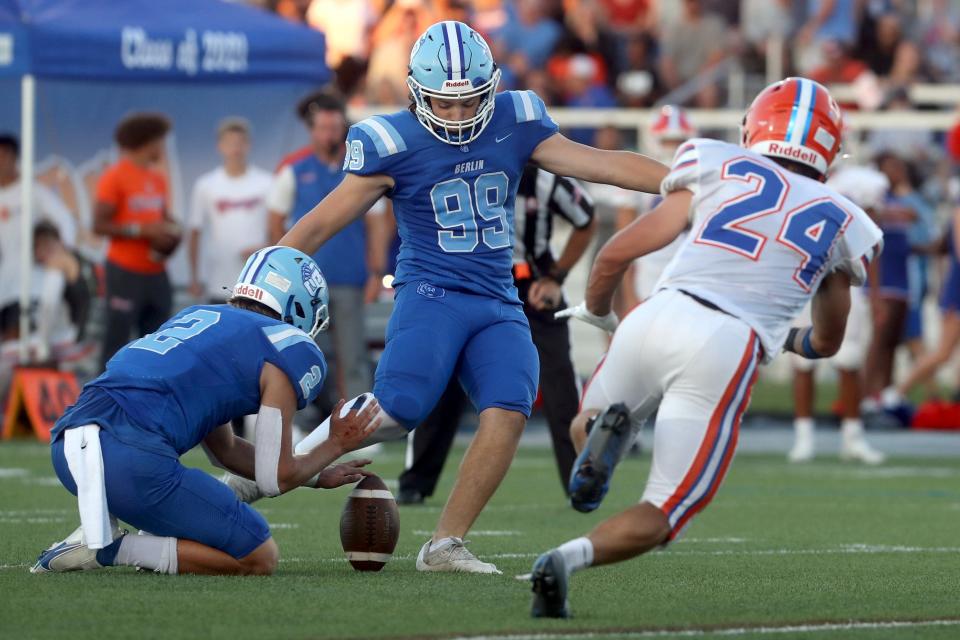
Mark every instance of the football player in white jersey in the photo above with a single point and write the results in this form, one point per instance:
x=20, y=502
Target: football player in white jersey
x=766, y=236
x=868, y=188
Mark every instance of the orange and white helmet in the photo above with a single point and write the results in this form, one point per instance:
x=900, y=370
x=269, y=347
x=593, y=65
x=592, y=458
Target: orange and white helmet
x=796, y=119
x=672, y=125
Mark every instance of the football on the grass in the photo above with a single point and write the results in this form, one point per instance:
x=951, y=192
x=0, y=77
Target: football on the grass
x=369, y=525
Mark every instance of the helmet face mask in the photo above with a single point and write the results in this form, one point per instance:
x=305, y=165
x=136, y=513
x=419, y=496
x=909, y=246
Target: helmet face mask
x=288, y=282
x=797, y=120
x=452, y=62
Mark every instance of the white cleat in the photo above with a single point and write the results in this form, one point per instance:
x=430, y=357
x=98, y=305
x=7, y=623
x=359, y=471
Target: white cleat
x=66, y=556
x=861, y=451
x=245, y=490
x=802, y=450
x=452, y=555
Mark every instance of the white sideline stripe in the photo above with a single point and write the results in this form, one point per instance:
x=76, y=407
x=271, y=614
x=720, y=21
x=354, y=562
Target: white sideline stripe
x=728, y=631
x=40, y=520
x=368, y=555
x=283, y=525
x=478, y=532
x=381, y=494
x=13, y=472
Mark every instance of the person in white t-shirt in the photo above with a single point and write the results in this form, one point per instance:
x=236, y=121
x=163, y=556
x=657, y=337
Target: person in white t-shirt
x=228, y=215
x=46, y=206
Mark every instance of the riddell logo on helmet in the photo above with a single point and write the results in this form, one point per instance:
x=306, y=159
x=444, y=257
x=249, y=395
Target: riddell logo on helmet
x=250, y=292
x=456, y=84
x=792, y=152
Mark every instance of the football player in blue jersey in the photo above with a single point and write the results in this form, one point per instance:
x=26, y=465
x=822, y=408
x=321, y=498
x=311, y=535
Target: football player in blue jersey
x=451, y=164
x=117, y=449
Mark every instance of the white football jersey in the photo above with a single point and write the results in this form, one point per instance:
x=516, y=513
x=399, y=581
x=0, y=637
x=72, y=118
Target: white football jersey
x=762, y=238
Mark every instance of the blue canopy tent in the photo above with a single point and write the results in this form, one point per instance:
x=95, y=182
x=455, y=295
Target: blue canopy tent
x=136, y=41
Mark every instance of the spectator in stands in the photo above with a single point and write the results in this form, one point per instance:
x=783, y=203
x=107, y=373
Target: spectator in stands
x=939, y=38
x=768, y=19
x=529, y=37
x=628, y=18
x=353, y=260
x=582, y=90
x=826, y=20
x=890, y=54
x=228, y=215
x=393, y=39
x=131, y=208
x=890, y=281
x=59, y=289
x=639, y=85
x=347, y=25
x=840, y=67
x=68, y=284
x=690, y=46
x=46, y=206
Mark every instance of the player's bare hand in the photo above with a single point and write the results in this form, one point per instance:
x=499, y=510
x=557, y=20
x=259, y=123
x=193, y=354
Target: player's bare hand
x=337, y=475
x=351, y=429
x=544, y=294
x=608, y=322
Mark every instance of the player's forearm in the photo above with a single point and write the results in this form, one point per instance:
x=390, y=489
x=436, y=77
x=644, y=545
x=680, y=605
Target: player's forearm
x=306, y=467
x=103, y=223
x=830, y=307
x=605, y=277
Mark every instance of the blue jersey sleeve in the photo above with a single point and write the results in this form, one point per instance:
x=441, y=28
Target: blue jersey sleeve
x=535, y=124
x=298, y=356
x=373, y=146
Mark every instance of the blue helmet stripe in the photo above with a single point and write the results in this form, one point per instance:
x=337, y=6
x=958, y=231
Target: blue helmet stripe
x=266, y=254
x=446, y=46
x=463, y=60
x=813, y=104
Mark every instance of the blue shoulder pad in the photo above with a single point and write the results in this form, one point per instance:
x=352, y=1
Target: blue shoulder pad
x=300, y=358
x=533, y=122
x=528, y=107
x=372, y=144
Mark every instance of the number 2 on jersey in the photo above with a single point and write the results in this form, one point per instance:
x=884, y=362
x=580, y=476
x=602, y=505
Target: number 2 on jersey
x=810, y=229
x=173, y=336
x=454, y=211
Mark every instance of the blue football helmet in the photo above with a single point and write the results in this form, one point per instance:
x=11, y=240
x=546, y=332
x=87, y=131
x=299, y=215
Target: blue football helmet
x=453, y=62
x=289, y=282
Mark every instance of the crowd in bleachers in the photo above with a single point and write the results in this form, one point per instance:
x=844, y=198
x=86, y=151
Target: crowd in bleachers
x=602, y=53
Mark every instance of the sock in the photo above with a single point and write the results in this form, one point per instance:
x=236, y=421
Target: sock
x=147, y=552
x=577, y=553
x=803, y=428
x=389, y=428
x=438, y=543
x=851, y=429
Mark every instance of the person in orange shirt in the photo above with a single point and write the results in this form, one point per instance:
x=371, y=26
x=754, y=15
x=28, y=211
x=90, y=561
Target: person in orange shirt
x=131, y=208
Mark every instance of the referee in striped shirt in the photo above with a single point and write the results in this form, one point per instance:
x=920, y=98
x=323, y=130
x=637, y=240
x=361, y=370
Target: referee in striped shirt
x=538, y=275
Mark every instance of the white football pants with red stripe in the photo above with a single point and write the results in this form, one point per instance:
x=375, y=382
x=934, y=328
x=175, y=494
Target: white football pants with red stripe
x=698, y=366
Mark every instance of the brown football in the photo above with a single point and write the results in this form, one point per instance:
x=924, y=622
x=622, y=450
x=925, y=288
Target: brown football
x=369, y=525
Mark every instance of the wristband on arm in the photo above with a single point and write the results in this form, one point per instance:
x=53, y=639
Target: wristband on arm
x=798, y=341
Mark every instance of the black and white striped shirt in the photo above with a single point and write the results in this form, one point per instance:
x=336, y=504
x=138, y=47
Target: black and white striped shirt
x=540, y=195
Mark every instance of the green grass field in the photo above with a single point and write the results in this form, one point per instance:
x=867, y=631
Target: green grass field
x=780, y=546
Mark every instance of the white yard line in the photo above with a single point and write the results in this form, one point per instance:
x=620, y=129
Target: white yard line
x=729, y=631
